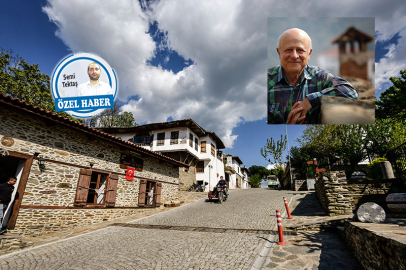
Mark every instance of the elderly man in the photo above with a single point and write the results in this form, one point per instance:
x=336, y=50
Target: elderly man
x=94, y=86
x=294, y=88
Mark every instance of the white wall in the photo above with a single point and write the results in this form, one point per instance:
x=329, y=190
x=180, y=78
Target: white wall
x=212, y=165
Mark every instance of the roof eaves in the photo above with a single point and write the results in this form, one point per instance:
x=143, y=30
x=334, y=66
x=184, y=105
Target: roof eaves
x=22, y=105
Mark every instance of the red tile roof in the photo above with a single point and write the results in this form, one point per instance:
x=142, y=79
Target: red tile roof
x=17, y=104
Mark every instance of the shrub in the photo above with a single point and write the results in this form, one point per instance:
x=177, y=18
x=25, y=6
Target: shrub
x=374, y=168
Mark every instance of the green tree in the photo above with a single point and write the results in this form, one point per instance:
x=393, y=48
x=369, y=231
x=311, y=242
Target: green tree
x=386, y=134
x=392, y=103
x=112, y=117
x=321, y=142
x=273, y=151
x=255, y=180
x=351, y=143
x=26, y=82
x=298, y=158
x=261, y=170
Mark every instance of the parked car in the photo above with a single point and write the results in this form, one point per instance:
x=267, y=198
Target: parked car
x=273, y=182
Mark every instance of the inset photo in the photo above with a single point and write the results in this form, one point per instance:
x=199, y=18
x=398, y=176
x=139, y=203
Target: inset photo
x=321, y=71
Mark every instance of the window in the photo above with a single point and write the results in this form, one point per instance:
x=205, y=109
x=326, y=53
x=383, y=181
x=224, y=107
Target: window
x=213, y=150
x=143, y=138
x=174, y=137
x=160, y=139
x=203, y=147
x=150, y=193
x=191, y=140
x=96, y=189
x=196, y=144
x=200, y=167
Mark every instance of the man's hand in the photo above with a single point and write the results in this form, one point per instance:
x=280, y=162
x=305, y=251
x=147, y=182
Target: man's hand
x=298, y=113
x=295, y=113
x=306, y=107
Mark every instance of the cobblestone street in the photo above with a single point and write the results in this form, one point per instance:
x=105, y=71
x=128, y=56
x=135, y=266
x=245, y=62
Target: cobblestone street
x=157, y=247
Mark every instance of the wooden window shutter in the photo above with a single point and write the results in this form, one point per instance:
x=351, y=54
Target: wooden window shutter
x=82, y=189
x=158, y=194
x=203, y=147
x=111, y=190
x=141, y=195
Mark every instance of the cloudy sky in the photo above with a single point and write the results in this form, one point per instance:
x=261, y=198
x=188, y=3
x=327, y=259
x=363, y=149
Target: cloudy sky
x=177, y=59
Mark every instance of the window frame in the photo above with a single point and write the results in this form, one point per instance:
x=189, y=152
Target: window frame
x=83, y=187
x=174, y=137
x=160, y=141
x=200, y=167
x=203, y=147
x=191, y=140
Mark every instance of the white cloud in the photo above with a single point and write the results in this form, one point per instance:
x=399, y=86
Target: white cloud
x=392, y=63
x=225, y=39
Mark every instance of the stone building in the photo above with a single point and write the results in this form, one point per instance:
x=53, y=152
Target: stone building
x=71, y=175
x=185, y=141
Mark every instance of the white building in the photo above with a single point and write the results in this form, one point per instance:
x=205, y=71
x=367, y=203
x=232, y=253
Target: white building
x=244, y=181
x=183, y=140
x=235, y=176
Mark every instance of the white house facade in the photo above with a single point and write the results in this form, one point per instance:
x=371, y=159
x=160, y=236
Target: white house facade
x=234, y=173
x=183, y=140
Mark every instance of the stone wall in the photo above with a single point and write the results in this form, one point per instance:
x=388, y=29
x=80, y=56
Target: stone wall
x=365, y=190
x=339, y=196
x=186, y=178
x=377, y=246
x=66, y=151
x=333, y=195
x=35, y=222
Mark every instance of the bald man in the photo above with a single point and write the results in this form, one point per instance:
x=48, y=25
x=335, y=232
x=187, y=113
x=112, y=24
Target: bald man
x=294, y=88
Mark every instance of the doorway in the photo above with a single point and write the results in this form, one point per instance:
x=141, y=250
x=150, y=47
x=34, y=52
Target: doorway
x=10, y=166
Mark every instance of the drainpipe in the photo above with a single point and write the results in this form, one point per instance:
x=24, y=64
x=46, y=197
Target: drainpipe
x=290, y=165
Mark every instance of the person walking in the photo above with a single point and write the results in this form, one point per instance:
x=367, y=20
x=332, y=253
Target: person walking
x=6, y=190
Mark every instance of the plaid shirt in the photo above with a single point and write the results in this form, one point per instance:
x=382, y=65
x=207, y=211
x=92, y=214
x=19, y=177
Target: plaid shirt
x=313, y=83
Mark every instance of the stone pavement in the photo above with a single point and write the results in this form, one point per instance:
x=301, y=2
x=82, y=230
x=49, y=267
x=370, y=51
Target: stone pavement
x=237, y=234
x=184, y=196
x=158, y=246
x=313, y=247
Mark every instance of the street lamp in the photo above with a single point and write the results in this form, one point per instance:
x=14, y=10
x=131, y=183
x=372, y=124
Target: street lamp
x=41, y=164
x=210, y=167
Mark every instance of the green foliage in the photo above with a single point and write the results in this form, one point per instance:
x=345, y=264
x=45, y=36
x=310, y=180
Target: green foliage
x=26, y=82
x=374, y=168
x=112, y=117
x=386, y=134
x=321, y=142
x=280, y=173
x=351, y=143
x=392, y=103
x=273, y=150
x=254, y=169
x=298, y=158
x=255, y=180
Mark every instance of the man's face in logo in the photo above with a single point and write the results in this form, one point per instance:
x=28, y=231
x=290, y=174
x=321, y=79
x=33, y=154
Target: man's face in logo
x=94, y=72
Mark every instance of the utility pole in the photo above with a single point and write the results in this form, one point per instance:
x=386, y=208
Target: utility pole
x=290, y=165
